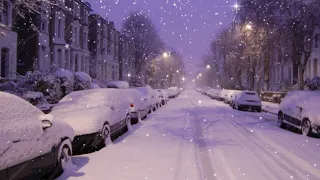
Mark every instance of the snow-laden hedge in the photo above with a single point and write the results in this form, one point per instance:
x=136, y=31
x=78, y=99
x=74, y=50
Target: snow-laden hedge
x=313, y=84
x=82, y=81
x=41, y=88
x=137, y=81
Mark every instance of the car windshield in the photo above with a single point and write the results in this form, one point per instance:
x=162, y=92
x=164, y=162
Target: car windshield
x=160, y=89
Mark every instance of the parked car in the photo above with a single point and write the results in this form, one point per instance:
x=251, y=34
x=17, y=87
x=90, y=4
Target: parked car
x=214, y=94
x=155, y=99
x=163, y=96
x=300, y=109
x=32, y=145
x=246, y=100
x=230, y=96
x=138, y=104
x=95, y=115
x=147, y=95
x=173, y=92
x=118, y=84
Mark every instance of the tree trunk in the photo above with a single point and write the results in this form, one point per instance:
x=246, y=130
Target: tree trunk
x=266, y=67
x=301, y=78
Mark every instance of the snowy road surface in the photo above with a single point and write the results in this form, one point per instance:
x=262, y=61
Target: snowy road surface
x=195, y=137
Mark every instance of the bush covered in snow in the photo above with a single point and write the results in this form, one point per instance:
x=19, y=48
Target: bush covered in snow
x=66, y=79
x=313, y=84
x=82, y=81
x=35, y=98
x=43, y=82
x=41, y=88
x=137, y=81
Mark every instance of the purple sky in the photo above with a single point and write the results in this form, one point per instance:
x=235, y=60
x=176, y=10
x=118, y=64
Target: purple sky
x=186, y=25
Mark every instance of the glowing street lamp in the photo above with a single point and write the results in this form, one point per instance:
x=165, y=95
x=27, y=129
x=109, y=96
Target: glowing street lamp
x=236, y=6
x=165, y=55
x=208, y=66
x=248, y=26
x=129, y=75
x=183, y=78
x=200, y=75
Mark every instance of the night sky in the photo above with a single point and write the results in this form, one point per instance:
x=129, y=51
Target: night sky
x=186, y=25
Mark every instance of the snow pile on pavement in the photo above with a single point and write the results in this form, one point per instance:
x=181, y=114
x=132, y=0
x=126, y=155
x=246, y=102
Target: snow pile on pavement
x=272, y=108
x=21, y=135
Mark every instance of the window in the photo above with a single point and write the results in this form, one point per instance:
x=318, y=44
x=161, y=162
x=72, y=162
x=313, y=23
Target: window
x=66, y=57
x=76, y=62
x=76, y=9
x=85, y=40
x=315, y=67
x=4, y=62
x=289, y=73
x=4, y=15
x=76, y=32
x=59, y=27
x=113, y=73
x=59, y=60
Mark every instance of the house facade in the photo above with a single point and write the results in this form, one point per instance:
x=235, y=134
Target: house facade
x=76, y=35
x=8, y=42
x=98, y=27
x=284, y=74
x=33, y=43
x=126, y=65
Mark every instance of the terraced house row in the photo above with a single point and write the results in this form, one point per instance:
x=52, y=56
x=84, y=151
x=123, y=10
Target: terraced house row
x=66, y=34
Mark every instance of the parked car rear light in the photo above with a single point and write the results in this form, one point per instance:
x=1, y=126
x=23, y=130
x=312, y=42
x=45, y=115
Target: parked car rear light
x=131, y=105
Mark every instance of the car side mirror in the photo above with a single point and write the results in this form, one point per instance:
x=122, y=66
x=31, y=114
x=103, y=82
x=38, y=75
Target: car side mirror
x=46, y=124
x=46, y=120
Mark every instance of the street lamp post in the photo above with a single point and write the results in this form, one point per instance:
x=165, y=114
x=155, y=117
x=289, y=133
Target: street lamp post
x=164, y=56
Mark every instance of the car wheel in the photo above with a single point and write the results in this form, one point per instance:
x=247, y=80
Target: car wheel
x=306, y=127
x=128, y=126
x=105, y=135
x=259, y=110
x=237, y=106
x=64, y=157
x=280, y=120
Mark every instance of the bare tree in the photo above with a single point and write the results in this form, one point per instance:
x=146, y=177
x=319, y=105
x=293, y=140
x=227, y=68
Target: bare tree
x=146, y=41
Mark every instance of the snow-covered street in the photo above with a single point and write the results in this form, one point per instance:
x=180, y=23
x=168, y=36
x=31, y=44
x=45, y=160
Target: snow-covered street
x=195, y=137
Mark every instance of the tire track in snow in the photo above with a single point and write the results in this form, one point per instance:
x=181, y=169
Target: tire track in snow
x=304, y=167
x=281, y=162
x=202, y=155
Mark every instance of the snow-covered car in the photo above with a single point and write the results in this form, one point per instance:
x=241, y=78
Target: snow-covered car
x=230, y=96
x=246, y=100
x=155, y=99
x=138, y=104
x=163, y=96
x=118, y=84
x=146, y=95
x=173, y=92
x=214, y=93
x=95, y=115
x=300, y=109
x=32, y=144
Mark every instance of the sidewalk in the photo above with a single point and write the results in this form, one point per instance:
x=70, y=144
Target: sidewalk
x=269, y=107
